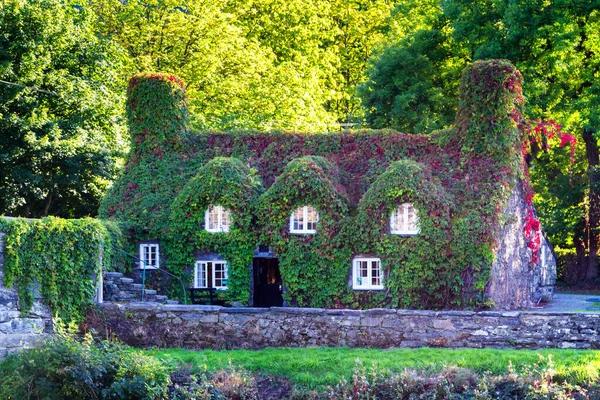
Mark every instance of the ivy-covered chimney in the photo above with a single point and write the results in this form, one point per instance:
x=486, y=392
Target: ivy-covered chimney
x=490, y=110
x=157, y=112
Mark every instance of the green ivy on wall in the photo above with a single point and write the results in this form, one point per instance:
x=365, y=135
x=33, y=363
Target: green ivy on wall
x=459, y=180
x=417, y=273
x=62, y=256
x=229, y=183
x=314, y=268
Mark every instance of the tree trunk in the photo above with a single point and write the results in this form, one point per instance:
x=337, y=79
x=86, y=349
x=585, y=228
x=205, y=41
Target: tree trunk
x=591, y=150
x=47, y=206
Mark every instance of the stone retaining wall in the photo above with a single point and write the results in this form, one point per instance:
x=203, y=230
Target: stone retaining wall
x=18, y=331
x=199, y=327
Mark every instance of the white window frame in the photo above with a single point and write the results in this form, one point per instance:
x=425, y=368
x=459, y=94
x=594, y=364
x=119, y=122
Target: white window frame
x=304, y=228
x=404, y=230
x=222, y=216
x=143, y=260
x=358, y=280
x=201, y=271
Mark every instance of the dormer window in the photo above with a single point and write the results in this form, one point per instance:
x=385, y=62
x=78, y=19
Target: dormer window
x=304, y=220
x=217, y=219
x=149, y=256
x=404, y=220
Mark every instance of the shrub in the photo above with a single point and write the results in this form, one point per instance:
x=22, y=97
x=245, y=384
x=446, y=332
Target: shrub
x=455, y=383
x=64, y=367
x=63, y=256
x=231, y=383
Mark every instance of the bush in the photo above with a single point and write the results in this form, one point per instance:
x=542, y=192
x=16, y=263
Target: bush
x=455, y=383
x=231, y=383
x=64, y=367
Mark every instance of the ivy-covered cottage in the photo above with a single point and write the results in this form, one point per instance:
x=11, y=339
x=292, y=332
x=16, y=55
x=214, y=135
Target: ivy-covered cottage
x=344, y=219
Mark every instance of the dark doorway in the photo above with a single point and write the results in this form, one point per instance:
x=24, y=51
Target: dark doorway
x=267, y=282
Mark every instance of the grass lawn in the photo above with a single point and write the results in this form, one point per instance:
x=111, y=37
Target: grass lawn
x=318, y=367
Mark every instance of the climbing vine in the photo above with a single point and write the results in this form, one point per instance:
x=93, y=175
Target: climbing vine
x=459, y=180
x=417, y=273
x=313, y=267
x=229, y=183
x=61, y=258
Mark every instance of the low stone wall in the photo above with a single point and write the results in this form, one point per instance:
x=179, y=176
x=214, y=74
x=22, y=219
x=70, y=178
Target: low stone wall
x=18, y=331
x=200, y=327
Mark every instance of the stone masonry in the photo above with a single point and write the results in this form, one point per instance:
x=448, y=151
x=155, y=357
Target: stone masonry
x=213, y=327
x=118, y=288
x=16, y=330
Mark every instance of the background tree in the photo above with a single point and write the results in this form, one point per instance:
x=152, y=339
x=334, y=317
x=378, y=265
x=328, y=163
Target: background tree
x=252, y=64
x=60, y=124
x=554, y=45
x=261, y=64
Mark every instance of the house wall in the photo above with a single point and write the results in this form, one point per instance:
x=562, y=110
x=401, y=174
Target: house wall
x=514, y=283
x=201, y=327
x=17, y=331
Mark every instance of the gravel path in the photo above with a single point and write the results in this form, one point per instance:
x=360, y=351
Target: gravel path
x=572, y=302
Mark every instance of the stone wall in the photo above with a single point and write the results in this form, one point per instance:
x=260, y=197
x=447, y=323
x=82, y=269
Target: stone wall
x=17, y=331
x=200, y=327
x=513, y=283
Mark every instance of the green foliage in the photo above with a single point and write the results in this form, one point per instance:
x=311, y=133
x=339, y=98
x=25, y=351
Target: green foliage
x=62, y=256
x=407, y=86
x=490, y=109
x=328, y=366
x=353, y=179
x=231, y=184
x=255, y=64
x=61, y=123
x=64, y=367
x=418, y=273
x=553, y=46
x=156, y=112
x=313, y=267
x=535, y=383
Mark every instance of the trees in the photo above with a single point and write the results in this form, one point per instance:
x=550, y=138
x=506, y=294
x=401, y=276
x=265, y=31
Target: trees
x=556, y=47
x=262, y=64
x=246, y=64
x=60, y=125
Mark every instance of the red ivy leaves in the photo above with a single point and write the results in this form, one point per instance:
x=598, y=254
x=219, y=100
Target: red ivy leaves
x=544, y=131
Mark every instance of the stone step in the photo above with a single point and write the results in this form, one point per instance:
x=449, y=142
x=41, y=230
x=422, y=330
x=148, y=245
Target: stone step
x=150, y=292
x=172, y=302
x=160, y=297
x=126, y=280
x=110, y=275
x=136, y=286
x=124, y=296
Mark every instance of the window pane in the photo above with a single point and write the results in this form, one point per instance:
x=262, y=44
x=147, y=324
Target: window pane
x=220, y=274
x=298, y=219
x=225, y=220
x=149, y=256
x=201, y=275
x=213, y=218
x=375, y=273
x=411, y=218
x=364, y=269
x=398, y=220
x=312, y=217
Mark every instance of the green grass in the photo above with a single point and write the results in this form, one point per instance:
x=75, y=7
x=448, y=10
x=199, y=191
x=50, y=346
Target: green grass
x=318, y=367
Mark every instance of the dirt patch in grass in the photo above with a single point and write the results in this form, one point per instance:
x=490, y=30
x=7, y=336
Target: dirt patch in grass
x=271, y=388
